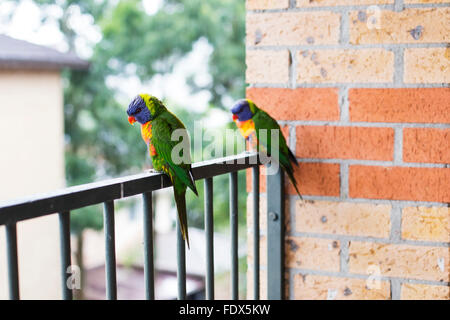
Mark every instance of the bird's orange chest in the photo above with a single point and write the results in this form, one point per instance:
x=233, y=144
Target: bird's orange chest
x=245, y=127
x=146, y=133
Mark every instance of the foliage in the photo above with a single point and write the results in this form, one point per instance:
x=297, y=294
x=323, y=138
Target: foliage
x=100, y=142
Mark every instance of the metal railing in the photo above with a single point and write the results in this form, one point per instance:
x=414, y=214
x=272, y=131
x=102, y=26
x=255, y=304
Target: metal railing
x=63, y=201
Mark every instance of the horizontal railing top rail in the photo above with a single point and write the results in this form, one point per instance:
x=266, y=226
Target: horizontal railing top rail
x=99, y=192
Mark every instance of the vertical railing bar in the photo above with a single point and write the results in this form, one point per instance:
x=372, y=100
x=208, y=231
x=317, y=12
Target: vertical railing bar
x=275, y=236
x=234, y=235
x=65, y=252
x=181, y=264
x=256, y=232
x=149, y=272
x=110, y=250
x=13, y=264
x=209, y=233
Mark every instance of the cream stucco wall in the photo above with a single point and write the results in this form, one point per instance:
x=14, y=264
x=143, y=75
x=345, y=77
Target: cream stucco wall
x=32, y=161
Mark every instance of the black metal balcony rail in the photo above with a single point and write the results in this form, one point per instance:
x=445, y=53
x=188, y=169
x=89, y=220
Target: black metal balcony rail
x=63, y=201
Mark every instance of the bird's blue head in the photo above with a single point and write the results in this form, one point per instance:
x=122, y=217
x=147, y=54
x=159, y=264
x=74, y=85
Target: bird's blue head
x=138, y=111
x=243, y=110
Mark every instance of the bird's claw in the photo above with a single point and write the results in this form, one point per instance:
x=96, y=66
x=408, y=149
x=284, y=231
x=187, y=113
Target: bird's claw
x=151, y=171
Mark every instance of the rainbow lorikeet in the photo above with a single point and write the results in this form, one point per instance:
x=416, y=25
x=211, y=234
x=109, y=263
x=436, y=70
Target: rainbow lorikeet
x=157, y=126
x=250, y=120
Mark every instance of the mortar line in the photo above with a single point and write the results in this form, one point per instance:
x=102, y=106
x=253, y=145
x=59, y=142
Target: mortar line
x=398, y=146
x=396, y=224
x=367, y=124
x=347, y=46
x=291, y=284
x=351, y=85
x=292, y=4
x=344, y=105
x=373, y=163
x=395, y=289
x=292, y=68
x=292, y=138
x=398, y=65
x=401, y=203
x=398, y=5
x=344, y=256
x=306, y=272
x=341, y=8
x=370, y=239
x=344, y=181
x=344, y=30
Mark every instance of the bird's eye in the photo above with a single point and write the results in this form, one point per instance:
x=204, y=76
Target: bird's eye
x=138, y=110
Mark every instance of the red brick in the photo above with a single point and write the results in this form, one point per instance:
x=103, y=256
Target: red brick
x=320, y=179
x=345, y=142
x=426, y=145
x=297, y=104
x=423, y=105
x=400, y=183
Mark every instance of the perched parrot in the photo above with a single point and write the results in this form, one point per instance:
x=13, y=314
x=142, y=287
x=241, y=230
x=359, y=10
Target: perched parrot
x=157, y=126
x=250, y=119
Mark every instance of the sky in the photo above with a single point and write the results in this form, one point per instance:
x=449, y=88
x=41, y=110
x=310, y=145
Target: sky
x=26, y=25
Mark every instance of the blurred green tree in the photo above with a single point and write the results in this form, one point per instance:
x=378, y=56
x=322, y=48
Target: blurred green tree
x=99, y=140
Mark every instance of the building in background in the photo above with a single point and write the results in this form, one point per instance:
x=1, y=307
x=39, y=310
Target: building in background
x=32, y=156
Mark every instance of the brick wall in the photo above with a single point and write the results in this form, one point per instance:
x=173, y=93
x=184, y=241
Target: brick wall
x=361, y=89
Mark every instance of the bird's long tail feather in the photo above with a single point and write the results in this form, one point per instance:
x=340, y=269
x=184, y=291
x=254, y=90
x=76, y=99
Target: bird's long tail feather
x=180, y=200
x=290, y=173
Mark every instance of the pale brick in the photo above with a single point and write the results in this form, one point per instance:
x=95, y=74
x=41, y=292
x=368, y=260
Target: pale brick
x=262, y=250
x=355, y=219
x=411, y=291
x=332, y=3
x=328, y=66
x=407, y=26
x=427, y=65
x=262, y=213
x=313, y=287
x=404, y=261
x=312, y=253
x=266, y=4
x=267, y=66
x=292, y=28
x=426, y=1
x=426, y=223
x=262, y=284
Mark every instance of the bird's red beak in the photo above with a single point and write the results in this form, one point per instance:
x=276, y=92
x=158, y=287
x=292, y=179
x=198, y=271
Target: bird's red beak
x=131, y=119
x=235, y=117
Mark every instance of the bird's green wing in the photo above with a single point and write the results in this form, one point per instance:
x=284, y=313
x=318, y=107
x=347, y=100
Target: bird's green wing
x=263, y=121
x=162, y=129
x=285, y=156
